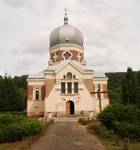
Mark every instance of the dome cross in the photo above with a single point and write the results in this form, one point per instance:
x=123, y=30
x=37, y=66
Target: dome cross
x=66, y=17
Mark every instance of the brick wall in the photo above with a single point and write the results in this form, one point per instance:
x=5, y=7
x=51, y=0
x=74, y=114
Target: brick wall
x=30, y=92
x=43, y=92
x=49, y=85
x=89, y=85
x=60, y=55
x=105, y=88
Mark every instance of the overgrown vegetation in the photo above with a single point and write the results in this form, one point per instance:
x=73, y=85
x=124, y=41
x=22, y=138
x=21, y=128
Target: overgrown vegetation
x=85, y=121
x=16, y=127
x=123, y=120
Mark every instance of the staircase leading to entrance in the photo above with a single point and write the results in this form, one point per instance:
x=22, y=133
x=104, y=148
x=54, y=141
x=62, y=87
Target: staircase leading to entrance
x=68, y=118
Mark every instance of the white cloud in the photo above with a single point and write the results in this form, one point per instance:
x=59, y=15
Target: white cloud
x=111, y=30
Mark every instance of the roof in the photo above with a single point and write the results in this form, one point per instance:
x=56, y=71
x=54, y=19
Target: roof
x=55, y=68
x=77, y=65
x=66, y=34
x=39, y=75
x=99, y=76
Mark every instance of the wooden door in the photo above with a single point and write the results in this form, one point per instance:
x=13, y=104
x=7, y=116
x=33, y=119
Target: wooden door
x=68, y=107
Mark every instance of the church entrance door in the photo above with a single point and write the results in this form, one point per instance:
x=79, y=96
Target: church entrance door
x=70, y=107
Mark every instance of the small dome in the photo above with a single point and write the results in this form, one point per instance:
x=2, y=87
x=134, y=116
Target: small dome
x=66, y=34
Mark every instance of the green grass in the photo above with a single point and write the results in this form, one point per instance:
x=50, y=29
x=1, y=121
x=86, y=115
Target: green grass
x=116, y=143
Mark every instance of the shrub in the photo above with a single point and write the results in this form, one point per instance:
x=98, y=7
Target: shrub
x=123, y=120
x=16, y=127
x=85, y=121
x=14, y=113
x=99, y=130
x=125, y=129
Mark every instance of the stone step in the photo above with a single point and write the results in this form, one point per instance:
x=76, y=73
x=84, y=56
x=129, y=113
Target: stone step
x=57, y=119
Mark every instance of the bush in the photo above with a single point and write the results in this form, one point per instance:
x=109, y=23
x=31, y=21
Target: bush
x=123, y=120
x=99, y=130
x=85, y=121
x=14, y=113
x=16, y=127
x=125, y=129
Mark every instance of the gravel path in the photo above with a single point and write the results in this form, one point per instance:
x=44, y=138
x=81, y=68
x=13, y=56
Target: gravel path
x=67, y=136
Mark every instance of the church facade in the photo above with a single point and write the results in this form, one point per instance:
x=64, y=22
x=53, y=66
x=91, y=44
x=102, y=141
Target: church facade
x=67, y=86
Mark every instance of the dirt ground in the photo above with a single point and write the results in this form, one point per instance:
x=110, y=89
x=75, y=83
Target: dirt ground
x=67, y=136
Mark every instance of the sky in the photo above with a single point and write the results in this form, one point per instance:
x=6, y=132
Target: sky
x=111, y=30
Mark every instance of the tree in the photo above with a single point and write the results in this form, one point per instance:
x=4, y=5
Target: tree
x=138, y=77
x=114, y=85
x=11, y=98
x=138, y=88
x=130, y=88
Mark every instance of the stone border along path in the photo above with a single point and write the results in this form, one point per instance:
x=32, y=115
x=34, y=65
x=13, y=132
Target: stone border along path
x=67, y=135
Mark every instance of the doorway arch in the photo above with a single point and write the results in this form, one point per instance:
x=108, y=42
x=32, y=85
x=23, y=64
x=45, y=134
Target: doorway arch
x=70, y=110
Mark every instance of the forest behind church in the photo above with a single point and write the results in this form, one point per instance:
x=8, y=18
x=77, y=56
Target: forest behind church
x=13, y=91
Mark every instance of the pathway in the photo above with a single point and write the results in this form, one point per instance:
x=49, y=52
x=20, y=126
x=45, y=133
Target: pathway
x=67, y=136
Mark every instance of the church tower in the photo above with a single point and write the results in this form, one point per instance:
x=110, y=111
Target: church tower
x=66, y=42
x=67, y=86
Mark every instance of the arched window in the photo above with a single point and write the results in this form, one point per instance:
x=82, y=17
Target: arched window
x=74, y=77
x=67, y=55
x=64, y=77
x=37, y=95
x=69, y=76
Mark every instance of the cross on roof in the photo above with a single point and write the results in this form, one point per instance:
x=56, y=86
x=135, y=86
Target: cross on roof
x=66, y=11
x=99, y=92
x=78, y=56
x=55, y=56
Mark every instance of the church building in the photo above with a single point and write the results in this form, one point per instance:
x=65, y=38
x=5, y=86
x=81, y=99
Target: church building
x=67, y=86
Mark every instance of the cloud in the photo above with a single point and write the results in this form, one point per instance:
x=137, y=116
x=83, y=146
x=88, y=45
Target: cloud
x=36, y=44
x=111, y=31
x=15, y=3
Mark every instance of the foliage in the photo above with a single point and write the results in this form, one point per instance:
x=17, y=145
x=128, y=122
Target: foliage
x=85, y=121
x=130, y=88
x=17, y=127
x=124, y=87
x=100, y=130
x=14, y=113
x=114, y=85
x=126, y=129
x=123, y=120
x=95, y=127
x=13, y=93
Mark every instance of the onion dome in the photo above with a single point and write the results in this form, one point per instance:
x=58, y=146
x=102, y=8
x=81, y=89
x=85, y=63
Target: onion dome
x=66, y=34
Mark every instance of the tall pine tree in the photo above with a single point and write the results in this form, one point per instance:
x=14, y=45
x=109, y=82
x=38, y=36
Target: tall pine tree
x=138, y=88
x=130, y=88
x=11, y=98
